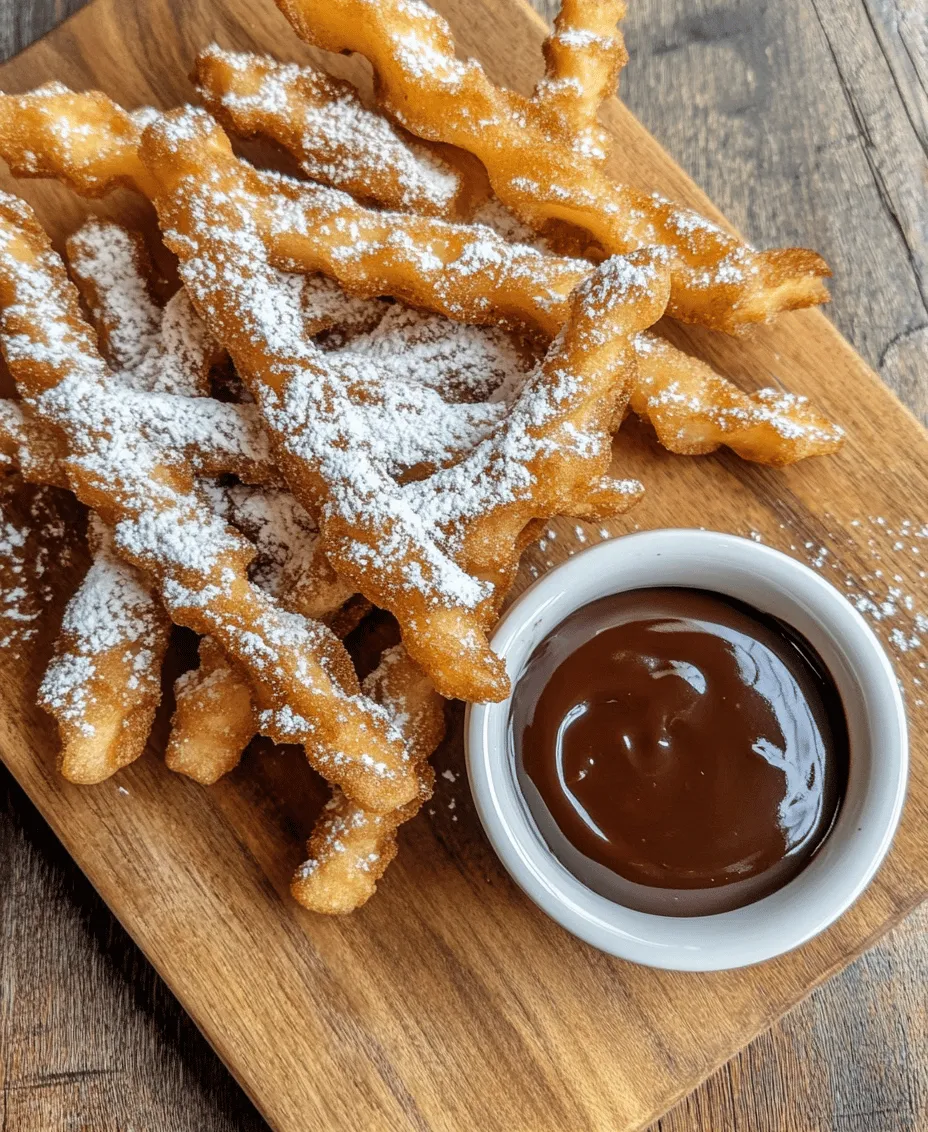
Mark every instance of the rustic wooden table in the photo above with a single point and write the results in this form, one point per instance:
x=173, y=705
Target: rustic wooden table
x=807, y=122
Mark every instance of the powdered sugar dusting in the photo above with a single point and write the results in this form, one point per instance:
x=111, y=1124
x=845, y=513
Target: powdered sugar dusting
x=342, y=440
x=159, y=520
x=336, y=138
x=112, y=610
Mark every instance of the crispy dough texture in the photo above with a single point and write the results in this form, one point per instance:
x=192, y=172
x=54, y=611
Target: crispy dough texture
x=323, y=124
x=425, y=262
x=694, y=411
x=103, y=685
x=439, y=553
x=30, y=446
x=542, y=171
x=93, y=161
x=214, y=717
x=350, y=848
x=307, y=685
x=583, y=57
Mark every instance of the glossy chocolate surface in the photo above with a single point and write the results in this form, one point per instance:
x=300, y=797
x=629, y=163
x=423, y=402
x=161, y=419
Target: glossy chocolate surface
x=680, y=753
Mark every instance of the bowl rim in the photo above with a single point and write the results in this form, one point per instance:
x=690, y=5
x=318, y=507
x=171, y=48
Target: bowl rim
x=870, y=813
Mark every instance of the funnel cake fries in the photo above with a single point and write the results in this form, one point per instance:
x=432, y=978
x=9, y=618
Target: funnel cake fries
x=583, y=57
x=545, y=172
x=464, y=272
x=153, y=349
x=441, y=552
x=215, y=717
x=333, y=136
x=530, y=289
x=162, y=524
x=694, y=411
x=95, y=152
x=103, y=685
x=351, y=848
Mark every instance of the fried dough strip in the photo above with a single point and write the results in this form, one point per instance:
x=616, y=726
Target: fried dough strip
x=465, y=273
x=103, y=684
x=92, y=160
x=694, y=411
x=113, y=271
x=161, y=524
x=214, y=718
x=215, y=437
x=30, y=446
x=766, y=426
x=350, y=848
x=543, y=174
x=154, y=349
x=583, y=57
x=322, y=122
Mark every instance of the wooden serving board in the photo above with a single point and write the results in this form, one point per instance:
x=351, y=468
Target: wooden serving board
x=450, y=1002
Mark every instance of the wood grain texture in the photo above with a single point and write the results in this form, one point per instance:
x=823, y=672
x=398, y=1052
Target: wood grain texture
x=863, y=1089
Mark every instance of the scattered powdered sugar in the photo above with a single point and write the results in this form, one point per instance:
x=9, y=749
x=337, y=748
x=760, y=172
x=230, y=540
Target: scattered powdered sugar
x=457, y=360
x=493, y=214
x=107, y=257
x=286, y=538
x=399, y=536
x=894, y=604
x=688, y=403
x=151, y=349
x=32, y=537
x=440, y=97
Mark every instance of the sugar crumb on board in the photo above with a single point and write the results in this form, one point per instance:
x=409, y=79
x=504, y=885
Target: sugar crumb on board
x=874, y=586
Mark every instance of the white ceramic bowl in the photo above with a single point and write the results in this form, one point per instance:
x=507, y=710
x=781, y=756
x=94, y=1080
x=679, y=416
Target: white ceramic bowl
x=773, y=583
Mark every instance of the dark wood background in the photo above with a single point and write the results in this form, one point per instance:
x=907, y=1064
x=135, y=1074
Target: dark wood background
x=807, y=122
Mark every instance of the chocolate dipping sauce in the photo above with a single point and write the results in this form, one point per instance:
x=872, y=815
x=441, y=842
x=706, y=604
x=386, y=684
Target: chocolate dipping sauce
x=680, y=752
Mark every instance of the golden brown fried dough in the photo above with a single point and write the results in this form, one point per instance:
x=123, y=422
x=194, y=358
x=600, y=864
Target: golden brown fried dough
x=322, y=122
x=439, y=552
x=465, y=273
x=103, y=685
x=544, y=172
x=350, y=848
x=163, y=525
x=214, y=717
